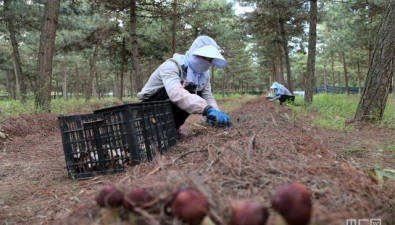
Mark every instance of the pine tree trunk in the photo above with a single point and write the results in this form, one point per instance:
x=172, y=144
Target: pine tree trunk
x=117, y=85
x=309, y=81
x=287, y=62
x=123, y=63
x=45, y=55
x=274, y=73
x=345, y=72
x=97, y=88
x=135, y=50
x=15, y=74
x=338, y=79
x=15, y=51
x=325, y=80
x=174, y=26
x=359, y=79
x=91, y=88
x=76, y=83
x=333, y=74
x=132, y=88
x=381, y=70
x=9, y=86
x=393, y=85
x=64, y=84
x=280, y=70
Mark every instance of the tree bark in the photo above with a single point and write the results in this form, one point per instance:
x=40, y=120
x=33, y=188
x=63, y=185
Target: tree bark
x=280, y=70
x=96, y=88
x=274, y=73
x=117, y=85
x=286, y=54
x=174, y=26
x=10, y=85
x=45, y=55
x=333, y=74
x=15, y=51
x=76, y=83
x=123, y=63
x=309, y=81
x=393, y=85
x=325, y=80
x=91, y=84
x=345, y=73
x=64, y=83
x=359, y=79
x=381, y=70
x=135, y=50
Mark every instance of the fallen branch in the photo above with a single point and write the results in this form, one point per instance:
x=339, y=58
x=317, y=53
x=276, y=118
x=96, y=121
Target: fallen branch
x=198, y=125
x=250, y=146
x=187, y=153
x=274, y=121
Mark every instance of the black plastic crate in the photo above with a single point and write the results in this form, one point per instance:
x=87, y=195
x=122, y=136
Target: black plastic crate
x=112, y=138
x=80, y=151
x=147, y=127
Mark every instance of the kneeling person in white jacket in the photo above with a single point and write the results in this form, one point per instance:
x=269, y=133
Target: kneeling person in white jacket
x=185, y=80
x=282, y=93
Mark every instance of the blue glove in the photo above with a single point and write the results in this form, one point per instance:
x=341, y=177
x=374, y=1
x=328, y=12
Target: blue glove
x=215, y=116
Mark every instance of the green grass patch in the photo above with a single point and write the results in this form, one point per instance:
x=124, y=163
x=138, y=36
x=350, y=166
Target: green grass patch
x=354, y=150
x=220, y=96
x=234, y=101
x=15, y=108
x=333, y=110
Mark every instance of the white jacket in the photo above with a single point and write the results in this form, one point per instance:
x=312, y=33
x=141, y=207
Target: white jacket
x=168, y=75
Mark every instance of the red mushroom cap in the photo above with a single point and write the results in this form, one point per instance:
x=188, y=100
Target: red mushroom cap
x=189, y=206
x=109, y=196
x=247, y=212
x=292, y=201
x=137, y=197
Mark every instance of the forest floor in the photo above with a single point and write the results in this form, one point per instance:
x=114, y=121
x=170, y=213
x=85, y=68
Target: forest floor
x=333, y=164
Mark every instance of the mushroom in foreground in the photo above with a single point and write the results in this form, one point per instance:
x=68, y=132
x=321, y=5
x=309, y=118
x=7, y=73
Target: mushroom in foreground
x=109, y=199
x=189, y=206
x=292, y=202
x=247, y=212
x=137, y=198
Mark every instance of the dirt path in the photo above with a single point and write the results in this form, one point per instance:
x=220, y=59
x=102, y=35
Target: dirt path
x=35, y=189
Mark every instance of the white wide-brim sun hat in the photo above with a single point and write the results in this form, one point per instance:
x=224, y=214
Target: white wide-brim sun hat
x=211, y=51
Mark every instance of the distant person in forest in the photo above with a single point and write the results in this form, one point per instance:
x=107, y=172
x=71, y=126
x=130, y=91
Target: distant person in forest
x=282, y=93
x=185, y=80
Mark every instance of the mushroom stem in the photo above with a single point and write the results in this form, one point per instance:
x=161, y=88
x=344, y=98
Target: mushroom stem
x=132, y=218
x=136, y=219
x=207, y=221
x=280, y=220
x=110, y=215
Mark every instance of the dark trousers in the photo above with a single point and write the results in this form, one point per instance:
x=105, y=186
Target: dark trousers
x=284, y=98
x=179, y=115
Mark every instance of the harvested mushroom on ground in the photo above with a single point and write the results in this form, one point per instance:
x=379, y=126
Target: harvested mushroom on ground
x=109, y=199
x=293, y=204
x=247, y=212
x=189, y=206
x=137, y=198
